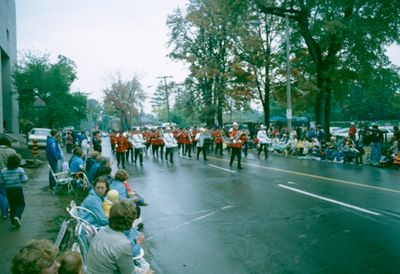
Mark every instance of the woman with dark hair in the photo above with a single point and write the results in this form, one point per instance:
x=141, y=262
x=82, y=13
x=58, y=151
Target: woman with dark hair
x=94, y=202
x=111, y=250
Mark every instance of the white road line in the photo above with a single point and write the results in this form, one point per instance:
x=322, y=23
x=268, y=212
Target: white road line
x=391, y=214
x=331, y=200
x=225, y=169
x=194, y=220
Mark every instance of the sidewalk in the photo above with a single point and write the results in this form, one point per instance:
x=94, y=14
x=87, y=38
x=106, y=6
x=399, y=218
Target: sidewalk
x=43, y=212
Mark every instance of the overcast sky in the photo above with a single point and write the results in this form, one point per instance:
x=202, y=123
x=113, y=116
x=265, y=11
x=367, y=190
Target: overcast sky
x=102, y=37
x=106, y=36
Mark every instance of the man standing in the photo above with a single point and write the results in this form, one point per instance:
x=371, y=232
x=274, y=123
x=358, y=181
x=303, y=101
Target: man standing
x=263, y=141
x=376, y=138
x=97, y=141
x=53, y=154
x=236, y=140
x=352, y=131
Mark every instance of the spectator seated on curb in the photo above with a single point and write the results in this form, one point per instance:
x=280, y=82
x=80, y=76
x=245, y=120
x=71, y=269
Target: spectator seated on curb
x=111, y=249
x=111, y=198
x=94, y=203
x=36, y=257
x=76, y=164
x=71, y=263
x=92, y=173
x=92, y=159
x=120, y=183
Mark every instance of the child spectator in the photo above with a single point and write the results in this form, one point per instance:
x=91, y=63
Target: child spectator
x=36, y=257
x=111, y=198
x=13, y=176
x=70, y=263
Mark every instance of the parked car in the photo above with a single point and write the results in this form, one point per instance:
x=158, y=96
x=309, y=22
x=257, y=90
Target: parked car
x=39, y=134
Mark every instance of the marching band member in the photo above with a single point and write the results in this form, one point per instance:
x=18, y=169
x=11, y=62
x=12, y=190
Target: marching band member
x=263, y=140
x=138, y=144
x=120, y=147
x=202, y=138
x=193, y=135
x=236, y=140
x=146, y=136
x=170, y=144
x=218, y=136
x=113, y=140
x=187, y=141
x=181, y=141
x=129, y=149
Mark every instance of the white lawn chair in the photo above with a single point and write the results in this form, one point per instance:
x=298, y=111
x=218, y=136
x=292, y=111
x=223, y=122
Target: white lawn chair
x=74, y=210
x=62, y=179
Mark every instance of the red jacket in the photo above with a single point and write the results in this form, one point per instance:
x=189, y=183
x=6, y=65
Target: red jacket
x=122, y=144
x=236, y=138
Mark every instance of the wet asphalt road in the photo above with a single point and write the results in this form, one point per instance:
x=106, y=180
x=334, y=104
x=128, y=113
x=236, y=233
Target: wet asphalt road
x=281, y=215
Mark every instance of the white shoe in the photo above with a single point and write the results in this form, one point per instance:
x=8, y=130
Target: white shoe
x=17, y=222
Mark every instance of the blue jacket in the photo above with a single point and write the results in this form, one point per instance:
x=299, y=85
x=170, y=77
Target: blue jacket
x=119, y=186
x=53, y=152
x=91, y=173
x=76, y=164
x=94, y=203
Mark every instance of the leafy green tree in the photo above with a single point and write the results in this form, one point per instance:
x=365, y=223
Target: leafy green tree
x=336, y=33
x=44, y=94
x=201, y=39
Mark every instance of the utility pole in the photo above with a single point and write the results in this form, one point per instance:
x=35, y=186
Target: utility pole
x=166, y=95
x=288, y=92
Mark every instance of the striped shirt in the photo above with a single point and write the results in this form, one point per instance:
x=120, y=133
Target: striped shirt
x=13, y=177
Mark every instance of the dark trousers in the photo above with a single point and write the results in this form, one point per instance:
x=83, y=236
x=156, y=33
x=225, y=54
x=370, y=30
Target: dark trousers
x=170, y=151
x=129, y=151
x=236, y=151
x=204, y=150
x=261, y=148
x=69, y=148
x=16, y=201
x=188, y=150
x=218, y=147
x=155, y=148
x=138, y=151
x=121, y=159
x=162, y=151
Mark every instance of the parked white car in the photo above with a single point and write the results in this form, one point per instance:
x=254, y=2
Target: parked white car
x=39, y=134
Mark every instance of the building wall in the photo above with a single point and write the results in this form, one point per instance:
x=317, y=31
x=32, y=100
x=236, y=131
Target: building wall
x=8, y=57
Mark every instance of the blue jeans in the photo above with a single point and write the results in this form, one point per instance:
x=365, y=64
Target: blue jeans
x=3, y=200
